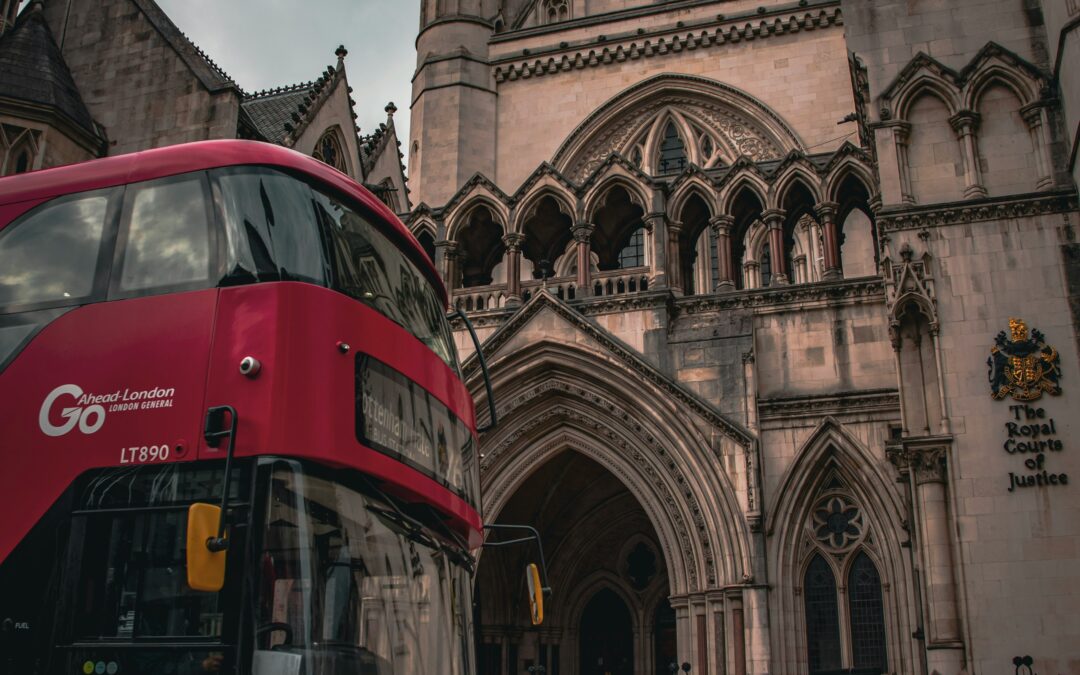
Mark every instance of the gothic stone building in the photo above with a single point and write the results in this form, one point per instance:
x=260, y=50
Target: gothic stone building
x=81, y=79
x=740, y=269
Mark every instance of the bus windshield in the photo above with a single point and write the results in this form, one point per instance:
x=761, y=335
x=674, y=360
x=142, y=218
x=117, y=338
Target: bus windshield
x=351, y=585
x=341, y=580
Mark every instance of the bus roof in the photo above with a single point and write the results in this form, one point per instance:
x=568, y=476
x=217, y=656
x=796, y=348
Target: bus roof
x=176, y=159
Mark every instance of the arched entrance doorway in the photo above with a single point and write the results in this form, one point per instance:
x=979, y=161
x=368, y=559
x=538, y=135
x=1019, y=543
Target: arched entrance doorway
x=606, y=636
x=605, y=567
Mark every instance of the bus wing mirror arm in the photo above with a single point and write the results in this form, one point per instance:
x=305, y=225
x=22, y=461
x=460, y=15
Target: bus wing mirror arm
x=213, y=432
x=483, y=367
x=532, y=535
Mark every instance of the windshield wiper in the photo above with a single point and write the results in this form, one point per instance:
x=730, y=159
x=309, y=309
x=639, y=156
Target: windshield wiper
x=421, y=533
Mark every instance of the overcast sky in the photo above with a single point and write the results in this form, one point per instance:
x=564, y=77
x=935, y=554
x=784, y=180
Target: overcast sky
x=272, y=43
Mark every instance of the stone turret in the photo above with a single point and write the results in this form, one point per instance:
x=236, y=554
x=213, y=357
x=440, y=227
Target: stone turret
x=453, y=111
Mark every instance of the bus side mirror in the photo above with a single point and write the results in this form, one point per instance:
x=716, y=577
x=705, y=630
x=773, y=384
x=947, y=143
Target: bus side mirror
x=536, y=594
x=205, y=568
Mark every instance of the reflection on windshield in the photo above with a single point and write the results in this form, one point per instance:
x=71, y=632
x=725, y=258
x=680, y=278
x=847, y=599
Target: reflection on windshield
x=347, y=586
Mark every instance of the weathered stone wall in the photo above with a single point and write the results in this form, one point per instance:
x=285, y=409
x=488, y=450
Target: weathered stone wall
x=1018, y=546
x=133, y=82
x=802, y=76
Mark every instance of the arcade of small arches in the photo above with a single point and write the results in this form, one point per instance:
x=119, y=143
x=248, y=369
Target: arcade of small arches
x=697, y=232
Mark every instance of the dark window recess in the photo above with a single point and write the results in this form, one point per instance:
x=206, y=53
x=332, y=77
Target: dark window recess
x=867, y=615
x=641, y=566
x=490, y=659
x=51, y=254
x=822, y=617
x=167, y=234
x=672, y=151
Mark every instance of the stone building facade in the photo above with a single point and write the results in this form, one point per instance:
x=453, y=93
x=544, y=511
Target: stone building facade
x=740, y=269
x=80, y=80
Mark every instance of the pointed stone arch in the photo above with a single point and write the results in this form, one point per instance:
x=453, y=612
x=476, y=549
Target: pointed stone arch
x=459, y=216
x=923, y=75
x=996, y=64
x=615, y=177
x=591, y=395
x=696, y=184
x=832, y=461
x=847, y=166
x=618, y=124
x=545, y=187
x=746, y=178
x=798, y=171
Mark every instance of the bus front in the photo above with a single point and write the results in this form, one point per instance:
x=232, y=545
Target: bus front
x=229, y=277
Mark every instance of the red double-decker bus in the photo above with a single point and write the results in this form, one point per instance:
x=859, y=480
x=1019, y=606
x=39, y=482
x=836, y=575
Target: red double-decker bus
x=227, y=322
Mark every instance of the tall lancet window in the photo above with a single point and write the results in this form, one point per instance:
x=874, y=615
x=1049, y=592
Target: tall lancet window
x=822, y=617
x=867, y=615
x=672, y=151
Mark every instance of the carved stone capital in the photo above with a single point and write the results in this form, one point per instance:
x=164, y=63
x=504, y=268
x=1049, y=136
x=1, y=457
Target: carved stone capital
x=513, y=241
x=583, y=232
x=1032, y=114
x=773, y=217
x=965, y=122
x=826, y=211
x=927, y=463
x=721, y=224
x=674, y=227
x=652, y=219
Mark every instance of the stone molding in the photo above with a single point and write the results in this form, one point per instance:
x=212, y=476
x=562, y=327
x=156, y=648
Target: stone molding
x=737, y=30
x=838, y=404
x=622, y=352
x=975, y=211
x=868, y=290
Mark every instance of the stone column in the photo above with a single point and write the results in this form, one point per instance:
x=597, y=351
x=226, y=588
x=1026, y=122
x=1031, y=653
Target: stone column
x=721, y=230
x=583, y=235
x=1035, y=116
x=891, y=137
x=965, y=123
x=774, y=220
x=513, y=242
x=827, y=212
x=445, y=256
x=655, y=226
x=675, y=278
x=925, y=464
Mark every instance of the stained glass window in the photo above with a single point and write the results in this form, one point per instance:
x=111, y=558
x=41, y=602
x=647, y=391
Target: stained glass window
x=328, y=150
x=672, y=151
x=822, y=617
x=867, y=615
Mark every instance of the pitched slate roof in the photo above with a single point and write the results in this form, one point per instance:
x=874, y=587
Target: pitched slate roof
x=271, y=110
x=32, y=69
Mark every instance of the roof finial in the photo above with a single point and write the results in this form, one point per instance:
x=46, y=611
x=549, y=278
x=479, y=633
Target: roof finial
x=390, y=109
x=341, y=53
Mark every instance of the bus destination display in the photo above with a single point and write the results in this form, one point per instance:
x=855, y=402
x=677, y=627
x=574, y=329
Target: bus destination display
x=399, y=417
